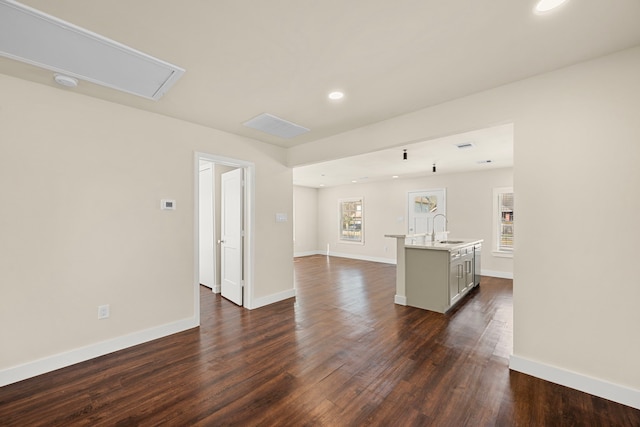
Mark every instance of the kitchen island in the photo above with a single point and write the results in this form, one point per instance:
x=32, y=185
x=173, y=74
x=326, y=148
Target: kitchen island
x=435, y=275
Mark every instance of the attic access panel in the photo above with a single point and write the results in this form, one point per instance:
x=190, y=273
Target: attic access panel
x=36, y=38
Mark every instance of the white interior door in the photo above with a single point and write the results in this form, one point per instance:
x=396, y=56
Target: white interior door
x=207, y=256
x=231, y=221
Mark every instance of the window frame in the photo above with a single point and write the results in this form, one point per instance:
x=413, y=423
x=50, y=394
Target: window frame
x=341, y=223
x=499, y=223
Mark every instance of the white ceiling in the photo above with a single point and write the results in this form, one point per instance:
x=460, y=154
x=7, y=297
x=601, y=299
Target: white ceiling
x=282, y=57
x=494, y=144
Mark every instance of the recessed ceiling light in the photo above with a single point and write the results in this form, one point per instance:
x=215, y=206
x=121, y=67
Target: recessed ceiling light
x=354, y=181
x=336, y=95
x=544, y=6
x=394, y=176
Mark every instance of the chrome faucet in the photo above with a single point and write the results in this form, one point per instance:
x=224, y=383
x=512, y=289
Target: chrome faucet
x=433, y=226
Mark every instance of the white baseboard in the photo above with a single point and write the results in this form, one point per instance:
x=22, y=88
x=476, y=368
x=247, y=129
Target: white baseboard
x=614, y=392
x=363, y=257
x=270, y=299
x=499, y=274
x=400, y=300
x=308, y=253
x=491, y=273
x=68, y=358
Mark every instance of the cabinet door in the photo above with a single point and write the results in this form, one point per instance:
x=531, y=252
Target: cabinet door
x=468, y=270
x=465, y=271
x=455, y=272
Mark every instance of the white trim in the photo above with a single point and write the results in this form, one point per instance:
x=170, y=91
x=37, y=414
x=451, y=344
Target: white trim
x=340, y=203
x=249, y=211
x=308, y=253
x=196, y=239
x=496, y=220
x=491, y=273
x=502, y=254
x=273, y=298
x=400, y=300
x=68, y=358
x=499, y=274
x=614, y=392
x=363, y=257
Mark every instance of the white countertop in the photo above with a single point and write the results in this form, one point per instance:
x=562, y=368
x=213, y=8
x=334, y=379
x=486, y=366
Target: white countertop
x=423, y=241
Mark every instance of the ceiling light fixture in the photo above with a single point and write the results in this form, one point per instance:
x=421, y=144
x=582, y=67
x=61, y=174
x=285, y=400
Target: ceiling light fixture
x=404, y=155
x=544, y=6
x=434, y=168
x=336, y=95
x=465, y=145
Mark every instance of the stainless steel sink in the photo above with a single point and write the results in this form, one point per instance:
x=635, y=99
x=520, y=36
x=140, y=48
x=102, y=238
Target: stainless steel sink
x=451, y=242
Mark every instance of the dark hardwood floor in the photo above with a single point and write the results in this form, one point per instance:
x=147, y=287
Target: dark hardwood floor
x=340, y=354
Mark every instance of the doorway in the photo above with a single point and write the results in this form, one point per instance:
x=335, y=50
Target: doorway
x=422, y=207
x=205, y=197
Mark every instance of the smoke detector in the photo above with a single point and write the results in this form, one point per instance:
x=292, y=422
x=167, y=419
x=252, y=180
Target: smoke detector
x=67, y=81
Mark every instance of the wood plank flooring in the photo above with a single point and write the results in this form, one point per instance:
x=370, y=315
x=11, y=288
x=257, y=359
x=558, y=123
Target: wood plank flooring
x=340, y=354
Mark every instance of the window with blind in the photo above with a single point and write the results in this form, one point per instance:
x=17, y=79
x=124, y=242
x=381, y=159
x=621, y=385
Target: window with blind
x=504, y=199
x=352, y=220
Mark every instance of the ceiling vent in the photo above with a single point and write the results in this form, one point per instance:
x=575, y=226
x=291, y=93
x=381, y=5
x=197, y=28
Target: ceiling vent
x=36, y=38
x=276, y=126
x=465, y=145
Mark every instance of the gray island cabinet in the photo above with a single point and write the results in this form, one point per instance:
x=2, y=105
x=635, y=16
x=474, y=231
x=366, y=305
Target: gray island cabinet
x=436, y=275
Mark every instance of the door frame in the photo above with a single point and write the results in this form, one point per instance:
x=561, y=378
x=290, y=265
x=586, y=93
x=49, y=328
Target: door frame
x=249, y=224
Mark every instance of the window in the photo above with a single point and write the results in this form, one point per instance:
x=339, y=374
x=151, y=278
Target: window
x=504, y=220
x=351, y=220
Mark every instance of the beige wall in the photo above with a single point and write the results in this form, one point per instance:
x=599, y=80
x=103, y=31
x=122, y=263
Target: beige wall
x=576, y=175
x=81, y=182
x=305, y=221
x=469, y=212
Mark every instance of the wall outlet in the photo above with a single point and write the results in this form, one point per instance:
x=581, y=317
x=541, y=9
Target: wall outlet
x=103, y=311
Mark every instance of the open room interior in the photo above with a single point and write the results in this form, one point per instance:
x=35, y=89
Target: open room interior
x=100, y=165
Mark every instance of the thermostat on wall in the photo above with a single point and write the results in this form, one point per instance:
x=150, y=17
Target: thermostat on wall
x=168, y=205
